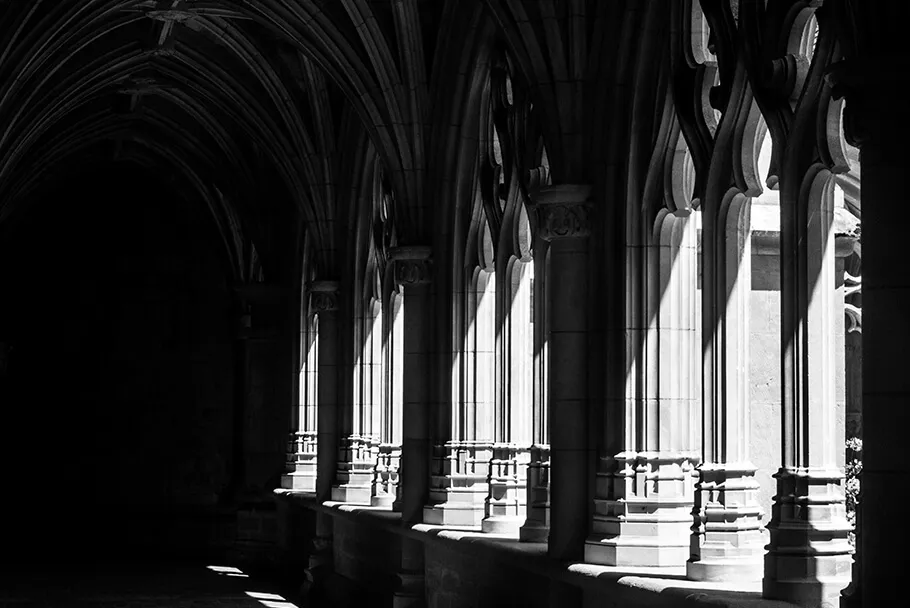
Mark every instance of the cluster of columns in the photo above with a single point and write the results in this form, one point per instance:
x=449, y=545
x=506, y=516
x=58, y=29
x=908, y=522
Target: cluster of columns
x=677, y=485
x=643, y=514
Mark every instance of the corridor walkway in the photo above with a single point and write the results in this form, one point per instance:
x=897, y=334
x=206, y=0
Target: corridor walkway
x=142, y=585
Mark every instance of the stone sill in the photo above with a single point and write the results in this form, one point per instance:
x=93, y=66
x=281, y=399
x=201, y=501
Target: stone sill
x=645, y=587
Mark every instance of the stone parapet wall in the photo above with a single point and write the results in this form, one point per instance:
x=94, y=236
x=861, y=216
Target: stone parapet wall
x=473, y=569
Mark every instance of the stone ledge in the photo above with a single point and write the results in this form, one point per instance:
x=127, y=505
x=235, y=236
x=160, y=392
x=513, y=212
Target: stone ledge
x=633, y=587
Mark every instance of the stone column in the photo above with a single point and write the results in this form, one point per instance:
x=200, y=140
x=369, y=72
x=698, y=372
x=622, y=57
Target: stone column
x=300, y=474
x=413, y=275
x=324, y=303
x=874, y=120
x=536, y=527
x=563, y=219
x=727, y=542
x=461, y=468
x=356, y=458
x=643, y=505
x=241, y=364
x=514, y=411
x=809, y=555
x=388, y=379
x=262, y=361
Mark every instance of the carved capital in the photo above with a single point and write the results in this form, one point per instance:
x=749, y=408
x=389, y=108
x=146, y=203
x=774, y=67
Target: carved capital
x=323, y=296
x=563, y=211
x=412, y=265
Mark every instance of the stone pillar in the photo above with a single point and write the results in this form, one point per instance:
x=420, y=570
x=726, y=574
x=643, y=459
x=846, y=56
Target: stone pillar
x=874, y=121
x=643, y=504
x=324, y=303
x=514, y=418
x=356, y=457
x=563, y=219
x=241, y=364
x=536, y=527
x=262, y=362
x=387, y=378
x=412, y=274
x=300, y=473
x=412, y=270
x=809, y=555
x=727, y=541
x=461, y=472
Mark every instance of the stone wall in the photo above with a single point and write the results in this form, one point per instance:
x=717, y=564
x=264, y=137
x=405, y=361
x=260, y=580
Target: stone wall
x=469, y=569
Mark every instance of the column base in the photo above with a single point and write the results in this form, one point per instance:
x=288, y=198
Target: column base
x=536, y=528
x=458, y=495
x=809, y=560
x=727, y=543
x=463, y=509
x=819, y=592
x=534, y=532
x=382, y=500
x=650, y=521
x=636, y=552
x=356, y=486
x=303, y=476
x=503, y=524
x=356, y=464
x=506, y=505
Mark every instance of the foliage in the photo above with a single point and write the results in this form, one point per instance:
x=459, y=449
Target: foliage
x=853, y=470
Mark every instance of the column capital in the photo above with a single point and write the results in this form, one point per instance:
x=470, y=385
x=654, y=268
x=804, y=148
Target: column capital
x=875, y=101
x=412, y=264
x=323, y=296
x=563, y=211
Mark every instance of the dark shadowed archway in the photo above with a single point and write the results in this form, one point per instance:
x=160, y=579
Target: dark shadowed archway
x=118, y=397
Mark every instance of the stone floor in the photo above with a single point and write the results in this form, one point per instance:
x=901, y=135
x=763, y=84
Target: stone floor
x=141, y=585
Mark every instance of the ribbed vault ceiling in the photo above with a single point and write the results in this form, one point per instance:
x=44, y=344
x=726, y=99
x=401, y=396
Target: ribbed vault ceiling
x=239, y=104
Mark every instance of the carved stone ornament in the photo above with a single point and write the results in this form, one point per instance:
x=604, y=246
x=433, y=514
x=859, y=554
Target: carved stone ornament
x=563, y=211
x=323, y=296
x=412, y=265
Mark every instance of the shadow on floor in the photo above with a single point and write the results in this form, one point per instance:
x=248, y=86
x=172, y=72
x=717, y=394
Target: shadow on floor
x=142, y=584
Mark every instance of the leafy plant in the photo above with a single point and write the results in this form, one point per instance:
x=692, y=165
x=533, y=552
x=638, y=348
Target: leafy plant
x=853, y=470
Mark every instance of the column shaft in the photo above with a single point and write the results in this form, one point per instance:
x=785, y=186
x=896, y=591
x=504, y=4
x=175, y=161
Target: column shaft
x=563, y=219
x=885, y=480
x=809, y=556
x=324, y=296
x=415, y=449
x=727, y=542
x=412, y=274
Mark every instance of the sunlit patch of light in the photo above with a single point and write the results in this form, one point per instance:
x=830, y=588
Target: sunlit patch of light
x=270, y=600
x=228, y=571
